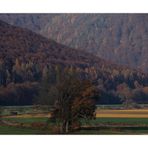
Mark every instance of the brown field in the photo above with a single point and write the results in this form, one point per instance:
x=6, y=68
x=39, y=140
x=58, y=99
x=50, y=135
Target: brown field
x=106, y=113
x=133, y=113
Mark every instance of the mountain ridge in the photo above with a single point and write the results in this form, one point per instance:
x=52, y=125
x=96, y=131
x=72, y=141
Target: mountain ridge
x=120, y=38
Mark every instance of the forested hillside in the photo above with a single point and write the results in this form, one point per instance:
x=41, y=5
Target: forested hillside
x=27, y=58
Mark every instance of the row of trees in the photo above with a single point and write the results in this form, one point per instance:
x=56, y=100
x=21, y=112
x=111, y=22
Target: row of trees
x=107, y=80
x=19, y=71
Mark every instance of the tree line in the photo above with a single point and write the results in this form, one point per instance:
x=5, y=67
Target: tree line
x=20, y=81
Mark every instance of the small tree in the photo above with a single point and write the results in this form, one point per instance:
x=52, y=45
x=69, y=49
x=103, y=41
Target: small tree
x=126, y=95
x=73, y=101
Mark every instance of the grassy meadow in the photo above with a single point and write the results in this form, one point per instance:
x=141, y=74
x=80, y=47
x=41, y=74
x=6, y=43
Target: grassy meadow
x=108, y=121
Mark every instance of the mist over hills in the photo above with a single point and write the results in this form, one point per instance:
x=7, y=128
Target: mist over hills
x=121, y=38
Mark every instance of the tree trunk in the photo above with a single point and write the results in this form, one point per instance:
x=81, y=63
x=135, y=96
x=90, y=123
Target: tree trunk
x=65, y=127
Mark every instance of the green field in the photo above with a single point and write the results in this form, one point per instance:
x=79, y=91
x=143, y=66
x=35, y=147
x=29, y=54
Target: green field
x=117, y=121
x=10, y=130
x=111, y=119
x=94, y=123
x=84, y=122
x=113, y=131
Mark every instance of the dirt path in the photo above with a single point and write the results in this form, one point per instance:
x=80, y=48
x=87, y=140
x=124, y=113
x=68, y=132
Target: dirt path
x=9, y=123
x=29, y=116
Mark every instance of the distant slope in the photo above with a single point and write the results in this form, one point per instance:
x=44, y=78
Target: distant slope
x=121, y=38
x=34, y=22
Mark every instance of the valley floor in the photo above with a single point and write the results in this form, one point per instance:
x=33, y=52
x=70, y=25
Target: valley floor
x=108, y=121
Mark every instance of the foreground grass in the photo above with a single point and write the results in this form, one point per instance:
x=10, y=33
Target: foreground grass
x=10, y=130
x=113, y=131
x=115, y=126
x=130, y=121
x=84, y=122
x=131, y=129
